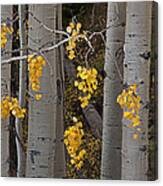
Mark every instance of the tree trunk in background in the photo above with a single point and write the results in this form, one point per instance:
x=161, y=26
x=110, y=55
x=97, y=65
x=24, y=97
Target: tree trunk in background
x=21, y=159
x=45, y=115
x=59, y=161
x=155, y=89
x=113, y=84
x=6, y=12
x=136, y=69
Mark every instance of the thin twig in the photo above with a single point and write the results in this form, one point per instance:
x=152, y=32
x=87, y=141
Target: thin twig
x=46, y=27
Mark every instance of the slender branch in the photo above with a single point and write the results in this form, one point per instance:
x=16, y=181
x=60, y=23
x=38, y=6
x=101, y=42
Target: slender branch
x=8, y=61
x=17, y=50
x=46, y=27
x=89, y=43
x=86, y=56
x=19, y=139
x=44, y=50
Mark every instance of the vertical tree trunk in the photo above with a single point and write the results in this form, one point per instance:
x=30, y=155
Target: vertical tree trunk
x=45, y=115
x=22, y=92
x=59, y=161
x=153, y=111
x=6, y=12
x=137, y=70
x=155, y=90
x=113, y=84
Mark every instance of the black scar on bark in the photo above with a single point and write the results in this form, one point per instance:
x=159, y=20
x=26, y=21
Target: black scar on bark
x=143, y=148
x=146, y=55
x=142, y=82
x=123, y=24
x=125, y=65
x=32, y=154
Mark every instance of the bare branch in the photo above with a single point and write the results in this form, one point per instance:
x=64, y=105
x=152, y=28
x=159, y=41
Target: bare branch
x=46, y=27
x=44, y=50
x=18, y=58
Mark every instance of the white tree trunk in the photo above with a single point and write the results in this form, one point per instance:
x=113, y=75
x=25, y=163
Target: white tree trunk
x=113, y=84
x=6, y=11
x=22, y=93
x=136, y=70
x=42, y=138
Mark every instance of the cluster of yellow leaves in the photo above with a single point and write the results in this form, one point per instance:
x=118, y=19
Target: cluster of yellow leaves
x=11, y=106
x=35, y=67
x=130, y=103
x=87, y=83
x=74, y=31
x=5, y=30
x=73, y=141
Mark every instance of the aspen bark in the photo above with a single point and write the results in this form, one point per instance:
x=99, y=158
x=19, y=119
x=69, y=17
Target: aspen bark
x=113, y=84
x=6, y=12
x=45, y=149
x=137, y=70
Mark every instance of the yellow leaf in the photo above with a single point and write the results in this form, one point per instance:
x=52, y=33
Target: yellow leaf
x=78, y=26
x=71, y=55
x=135, y=136
x=72, y=25
x=72, y=161
x=38, y=97
x=128, y=115
x=81, y=85
x=76, y=83
x=69, y=29
x=79, y=68
x=74, y=33
x=136, y=121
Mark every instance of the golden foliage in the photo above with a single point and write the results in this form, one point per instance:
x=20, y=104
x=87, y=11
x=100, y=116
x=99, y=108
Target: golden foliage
x=11, y=106
x=35, y=67
x=92, y=163
x=130, y=103
x=73, y=139
x=87, y=84
x=5, y=30
x=73, y=30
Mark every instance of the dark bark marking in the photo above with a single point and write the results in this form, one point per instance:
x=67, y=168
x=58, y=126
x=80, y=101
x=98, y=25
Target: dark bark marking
x=44, y=138
x=146, y=55
x=131, y=35
x=59, y=91
x=34, y=153
x=143, y=148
